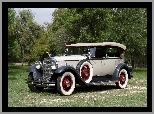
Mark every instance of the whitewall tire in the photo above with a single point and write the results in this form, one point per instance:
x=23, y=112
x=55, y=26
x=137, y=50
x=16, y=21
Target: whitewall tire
x=66, y=83
x=123, y=79
x=86, y=72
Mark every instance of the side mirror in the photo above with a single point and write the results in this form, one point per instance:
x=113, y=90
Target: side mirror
x=65, y=53
x=66, y=49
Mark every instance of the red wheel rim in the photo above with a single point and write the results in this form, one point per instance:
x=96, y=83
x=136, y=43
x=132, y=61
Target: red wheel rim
x=85, y=72
x=122, y=78
x=67, y=83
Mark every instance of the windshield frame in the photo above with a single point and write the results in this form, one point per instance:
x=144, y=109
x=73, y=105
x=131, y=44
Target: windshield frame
x=82, y=50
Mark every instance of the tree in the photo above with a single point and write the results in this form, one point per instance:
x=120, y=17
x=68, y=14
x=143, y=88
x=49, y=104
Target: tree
x=39, y=46
x=57, y=33
x=123, y=25
x=130, y=29
x=12, y=54
x=25, y=31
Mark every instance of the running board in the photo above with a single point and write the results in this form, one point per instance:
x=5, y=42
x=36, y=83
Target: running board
x=40, y=82
x=106, y=78
x=105, y=82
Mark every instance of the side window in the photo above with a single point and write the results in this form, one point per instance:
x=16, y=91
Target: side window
x=122, y=53
x=92, y=51
x=112, y=52
x=100, y=52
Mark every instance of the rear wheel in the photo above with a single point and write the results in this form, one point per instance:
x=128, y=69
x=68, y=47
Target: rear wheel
x=123, y=79
x=33, y=87
x=66, y=83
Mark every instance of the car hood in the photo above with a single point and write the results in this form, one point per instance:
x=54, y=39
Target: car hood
x=72, y=57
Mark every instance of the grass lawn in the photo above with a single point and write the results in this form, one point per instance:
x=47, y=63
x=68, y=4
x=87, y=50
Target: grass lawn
x=134, y=95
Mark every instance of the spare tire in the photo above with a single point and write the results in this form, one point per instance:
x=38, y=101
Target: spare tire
x=85, y=70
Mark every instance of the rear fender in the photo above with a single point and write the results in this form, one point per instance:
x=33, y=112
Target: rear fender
x=117, y=70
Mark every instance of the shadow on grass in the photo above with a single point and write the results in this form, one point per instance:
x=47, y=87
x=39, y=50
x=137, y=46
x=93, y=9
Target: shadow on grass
x=81, y=89
x=94, y=88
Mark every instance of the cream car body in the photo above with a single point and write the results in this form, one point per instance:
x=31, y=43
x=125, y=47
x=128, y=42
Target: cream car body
x=103, y=63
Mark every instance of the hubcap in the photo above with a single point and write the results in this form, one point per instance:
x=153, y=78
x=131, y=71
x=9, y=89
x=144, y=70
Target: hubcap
x=85, y=72
x=122, y=78
x=67, y=83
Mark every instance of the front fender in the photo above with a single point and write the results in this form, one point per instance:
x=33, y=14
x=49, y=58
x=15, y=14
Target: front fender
x=64, y=68
x=36, y=74
x=71, y=69
x=117, y=70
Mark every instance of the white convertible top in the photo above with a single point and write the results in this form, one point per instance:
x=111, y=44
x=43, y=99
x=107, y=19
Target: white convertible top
x=98, y=44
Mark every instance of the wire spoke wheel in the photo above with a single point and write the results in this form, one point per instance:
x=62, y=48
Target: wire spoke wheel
x=67, y=83
x=85, y=72
x=123, y=79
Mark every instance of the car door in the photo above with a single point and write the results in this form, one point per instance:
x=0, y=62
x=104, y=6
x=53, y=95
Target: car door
x=110, y=61
x=109, y=64
x=97, y=67
x=97, y=57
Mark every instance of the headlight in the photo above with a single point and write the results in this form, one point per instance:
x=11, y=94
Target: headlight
x=38, y=64
x=54, y=64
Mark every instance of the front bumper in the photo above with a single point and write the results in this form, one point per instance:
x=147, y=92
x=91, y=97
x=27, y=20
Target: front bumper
x=40, y=82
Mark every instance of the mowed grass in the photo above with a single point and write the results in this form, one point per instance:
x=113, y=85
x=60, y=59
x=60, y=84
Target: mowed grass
x=134, y=95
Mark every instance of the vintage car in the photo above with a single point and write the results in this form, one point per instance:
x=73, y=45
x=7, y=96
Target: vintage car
x=84, y=64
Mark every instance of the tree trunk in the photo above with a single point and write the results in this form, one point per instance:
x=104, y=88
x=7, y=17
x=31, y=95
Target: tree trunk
x=22, y=56
x=132, y=61
x=29, y=63
x=133, y=64
x=22, y=61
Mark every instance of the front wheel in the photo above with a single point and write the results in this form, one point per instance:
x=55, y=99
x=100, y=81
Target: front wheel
x=66, y=83
x=123, y=79
x=33, y=87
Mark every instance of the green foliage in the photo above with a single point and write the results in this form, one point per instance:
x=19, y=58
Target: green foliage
x=11, y=39
x=15, y=52
x=30, y=37
x=72, y=25
x=37, y=49
x=57, y=33
x=122, y=25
